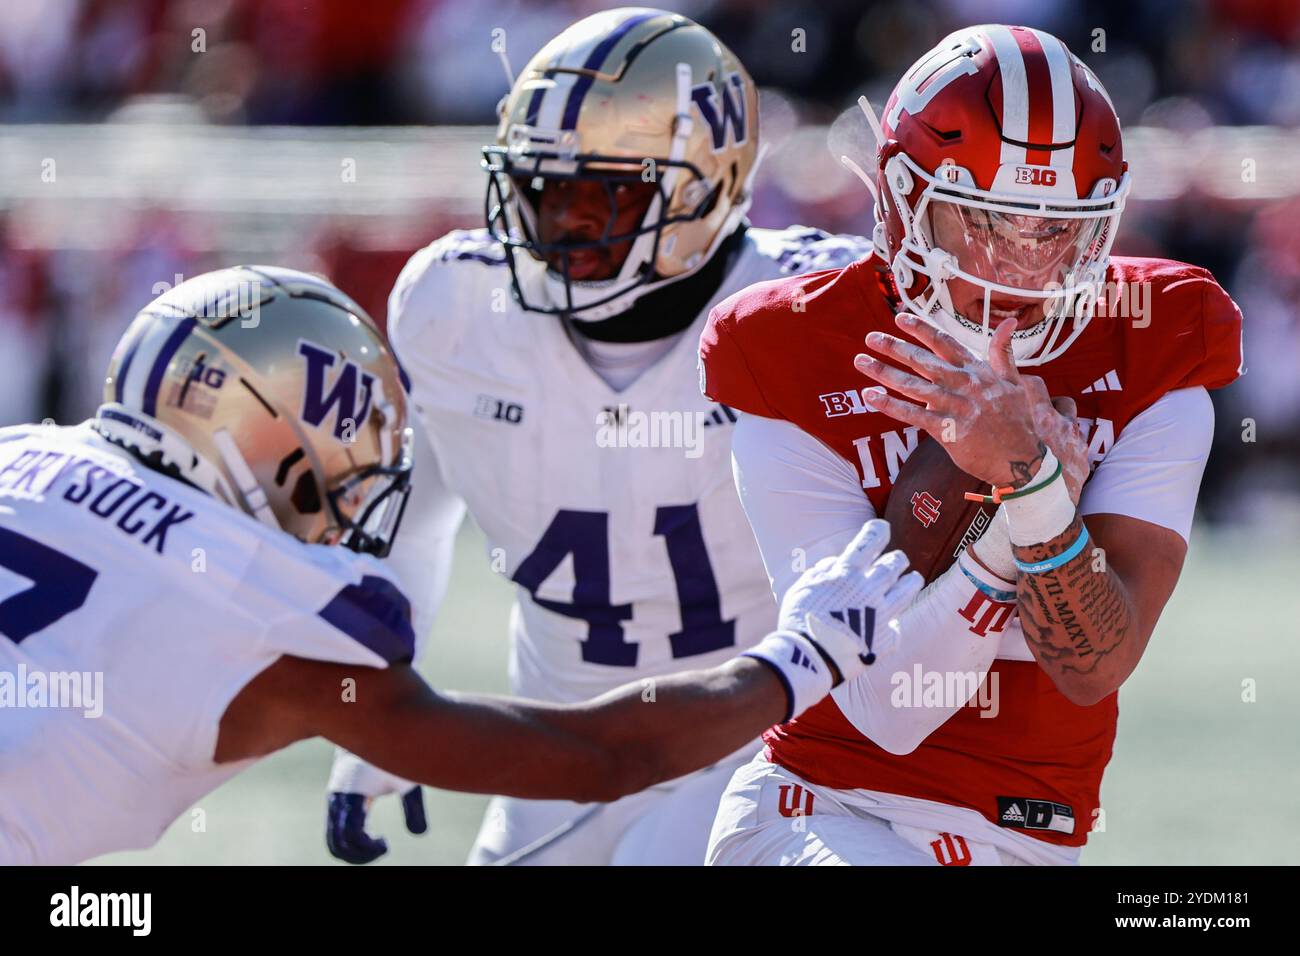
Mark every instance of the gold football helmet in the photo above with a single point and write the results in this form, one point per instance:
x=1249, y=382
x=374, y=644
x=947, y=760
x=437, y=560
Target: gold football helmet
x=273, y=391
x=627, y=95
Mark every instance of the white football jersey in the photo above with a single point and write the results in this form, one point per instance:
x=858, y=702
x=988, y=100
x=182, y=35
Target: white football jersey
x=133, y=608
x=614, y=512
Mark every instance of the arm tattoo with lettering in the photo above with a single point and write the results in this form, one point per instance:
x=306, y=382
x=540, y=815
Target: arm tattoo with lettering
x=1074, y=615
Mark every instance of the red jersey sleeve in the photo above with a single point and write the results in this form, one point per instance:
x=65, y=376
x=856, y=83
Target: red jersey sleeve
x=1221, y=331
x=763, y=345
x=725, y=372
x=1190, y=337
x=735, y=342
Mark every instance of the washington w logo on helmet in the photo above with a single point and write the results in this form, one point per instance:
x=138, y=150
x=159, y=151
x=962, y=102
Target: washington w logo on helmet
x=253, y=438
x=351, y=394
x=611, y=97
x=732, y=114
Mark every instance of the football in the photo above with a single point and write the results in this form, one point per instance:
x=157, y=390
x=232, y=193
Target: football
x=930, y=521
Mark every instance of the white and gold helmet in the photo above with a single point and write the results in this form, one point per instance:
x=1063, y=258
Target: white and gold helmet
x=631, y=94
x=273, y=391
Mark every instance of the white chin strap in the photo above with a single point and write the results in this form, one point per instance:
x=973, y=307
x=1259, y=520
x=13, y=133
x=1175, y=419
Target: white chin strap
x=1031, y=346
x=251, y=494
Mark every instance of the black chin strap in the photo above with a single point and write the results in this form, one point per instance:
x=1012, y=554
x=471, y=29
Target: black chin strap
x=153, y=461
x=669, y=310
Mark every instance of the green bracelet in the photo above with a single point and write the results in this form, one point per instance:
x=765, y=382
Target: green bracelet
x=1026, y=491
x=1006, y=494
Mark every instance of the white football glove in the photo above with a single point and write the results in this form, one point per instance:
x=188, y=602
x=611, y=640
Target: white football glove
x=835, y=615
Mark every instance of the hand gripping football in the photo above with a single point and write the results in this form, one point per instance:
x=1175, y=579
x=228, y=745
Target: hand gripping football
x=929, y=519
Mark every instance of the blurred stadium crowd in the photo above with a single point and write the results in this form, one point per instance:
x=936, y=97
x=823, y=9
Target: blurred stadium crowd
x=1186, y=74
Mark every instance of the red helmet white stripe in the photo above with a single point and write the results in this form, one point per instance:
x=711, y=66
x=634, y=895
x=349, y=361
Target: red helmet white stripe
x=1037, y=96
x=1015, y=93
x=1063, y=106
x=1039, y=81
x=1036, y=139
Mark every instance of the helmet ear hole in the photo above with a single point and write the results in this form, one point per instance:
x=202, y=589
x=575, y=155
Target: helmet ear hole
x=710, y=201
x=306, y=496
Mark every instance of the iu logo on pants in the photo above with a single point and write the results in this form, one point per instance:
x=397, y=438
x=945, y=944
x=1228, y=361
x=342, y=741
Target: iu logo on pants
x=795, y=801
x=951, y=850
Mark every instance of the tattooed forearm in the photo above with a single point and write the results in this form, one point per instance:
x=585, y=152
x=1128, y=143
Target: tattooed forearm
x=1075, y=615
x=1022, y=471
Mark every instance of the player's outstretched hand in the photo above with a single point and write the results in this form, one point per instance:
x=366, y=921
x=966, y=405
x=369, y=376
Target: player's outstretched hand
x=845, y=603
x=353, y=785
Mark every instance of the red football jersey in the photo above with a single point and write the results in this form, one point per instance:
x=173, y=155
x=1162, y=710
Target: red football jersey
x=784, y=349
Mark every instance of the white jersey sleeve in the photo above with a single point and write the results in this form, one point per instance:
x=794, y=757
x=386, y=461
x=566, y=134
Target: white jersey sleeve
x=116, y=578
x=803, y=501
x=1154, y=471
x=327, y=604
x=439, y=293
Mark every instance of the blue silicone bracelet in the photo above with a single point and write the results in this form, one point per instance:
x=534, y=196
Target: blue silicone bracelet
x=1065, y=557
x=995, y=593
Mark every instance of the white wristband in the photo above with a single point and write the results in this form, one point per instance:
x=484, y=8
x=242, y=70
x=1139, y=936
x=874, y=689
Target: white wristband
x=993, y=547
x=806, y=675
x=1043, y=513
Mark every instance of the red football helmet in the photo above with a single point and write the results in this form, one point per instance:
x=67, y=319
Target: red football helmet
x=1000, y=181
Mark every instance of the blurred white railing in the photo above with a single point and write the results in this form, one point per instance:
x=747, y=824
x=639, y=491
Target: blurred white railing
x=75, y=186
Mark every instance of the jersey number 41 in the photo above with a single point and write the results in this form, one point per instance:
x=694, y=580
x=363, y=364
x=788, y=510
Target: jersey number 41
x=585, y=535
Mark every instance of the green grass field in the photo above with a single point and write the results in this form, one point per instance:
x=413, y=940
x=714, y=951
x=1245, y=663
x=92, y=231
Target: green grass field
x=1199, y=776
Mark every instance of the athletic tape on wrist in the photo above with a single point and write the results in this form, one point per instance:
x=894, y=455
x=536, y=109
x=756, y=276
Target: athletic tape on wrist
x=993, y=547
x=1043, y=514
